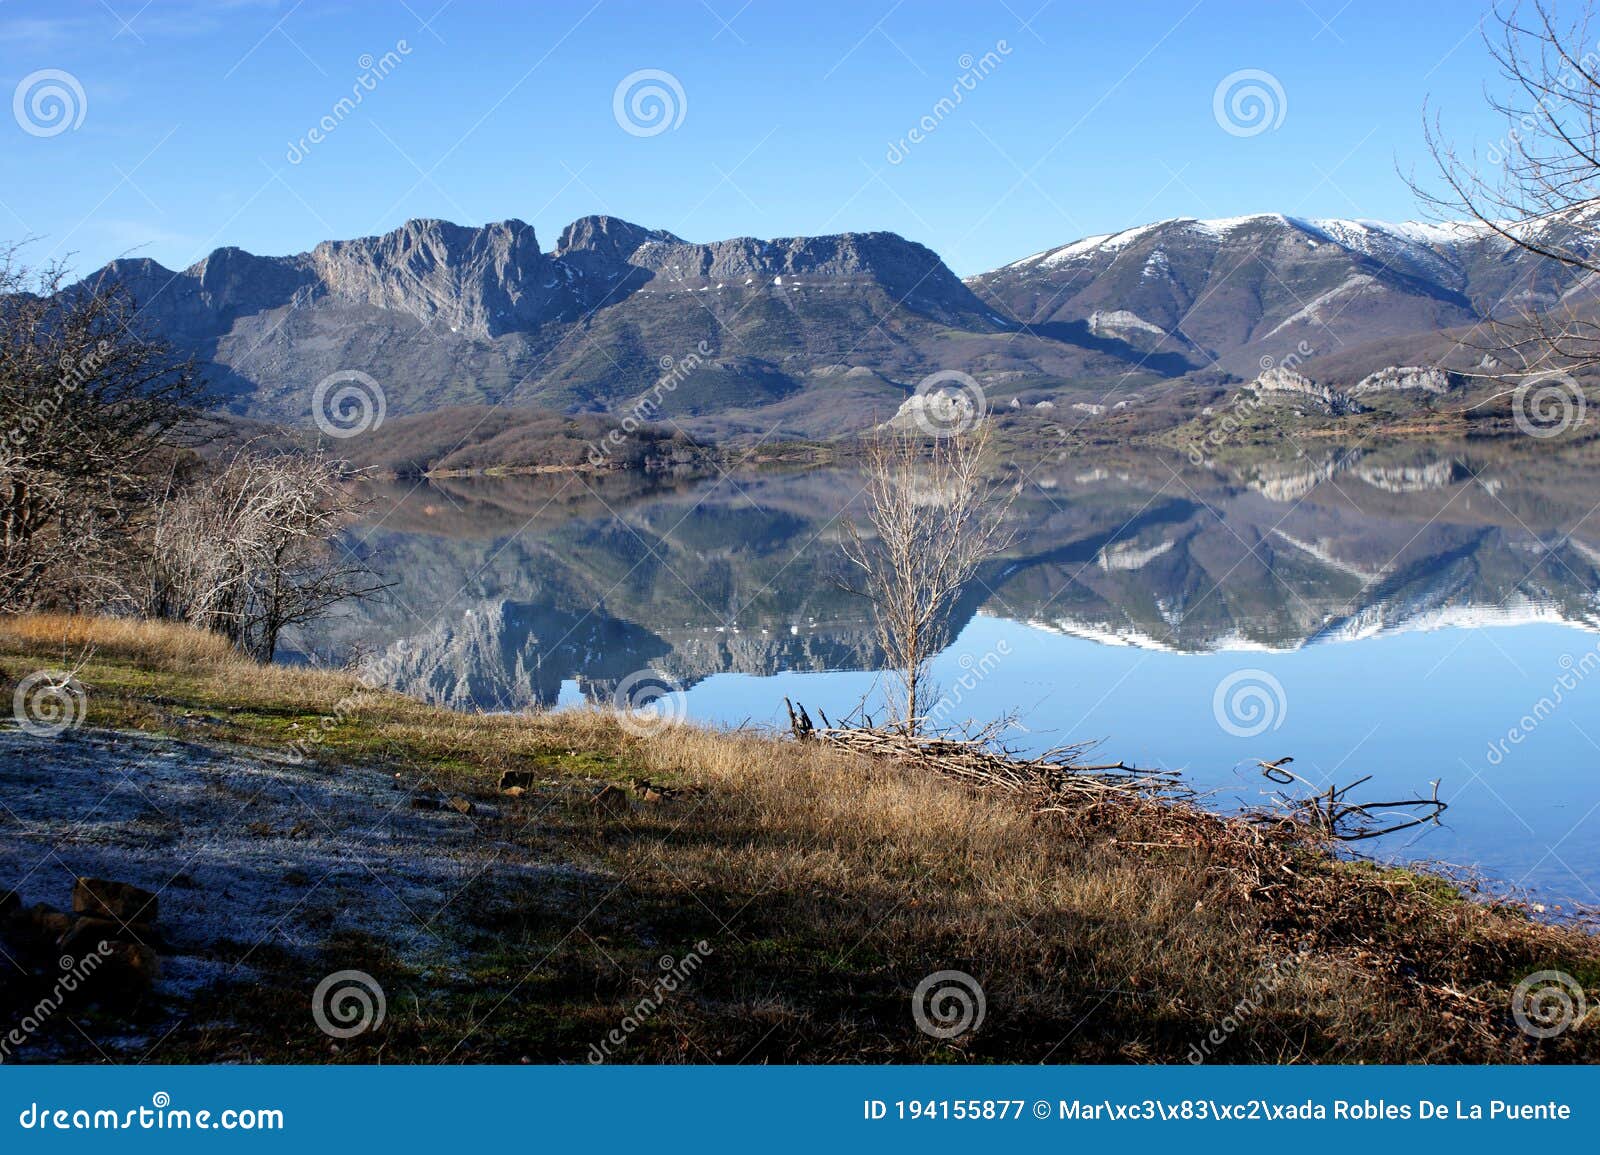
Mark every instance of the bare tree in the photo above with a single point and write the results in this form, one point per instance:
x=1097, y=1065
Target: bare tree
x=87, y=405
x=932, y=519
x=251, y=549
x=1537, y=187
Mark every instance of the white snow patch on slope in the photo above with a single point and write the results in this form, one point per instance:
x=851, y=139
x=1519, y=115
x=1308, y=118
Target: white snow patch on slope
x=1113, y=321
x=1313, y=310
x=1105, y=242
x=1128, y=555
x=1322, y=554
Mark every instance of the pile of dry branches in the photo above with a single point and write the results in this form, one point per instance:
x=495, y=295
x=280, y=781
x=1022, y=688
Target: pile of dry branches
x=1049, y=780
x=1146, y=811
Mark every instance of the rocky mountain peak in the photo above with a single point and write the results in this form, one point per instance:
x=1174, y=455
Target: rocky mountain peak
x=908, y=271
x=610, y=237
x=482, y=281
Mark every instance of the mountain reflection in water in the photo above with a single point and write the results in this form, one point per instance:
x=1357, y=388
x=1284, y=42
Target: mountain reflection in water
x=526, y=592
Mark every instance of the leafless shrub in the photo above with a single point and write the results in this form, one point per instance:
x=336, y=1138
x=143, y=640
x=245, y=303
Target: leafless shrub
x=932, y=519
x=251, y=548
x=86, y=403
x=1536, y=187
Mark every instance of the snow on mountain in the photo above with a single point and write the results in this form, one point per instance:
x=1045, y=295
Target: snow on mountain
x=1368, y=237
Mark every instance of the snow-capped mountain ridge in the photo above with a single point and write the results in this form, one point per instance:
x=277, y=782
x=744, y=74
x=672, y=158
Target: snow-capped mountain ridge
x=1357, y=234
x=1233, y=294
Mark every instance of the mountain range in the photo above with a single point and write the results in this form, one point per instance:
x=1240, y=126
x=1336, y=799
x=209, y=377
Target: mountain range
x=817, y=336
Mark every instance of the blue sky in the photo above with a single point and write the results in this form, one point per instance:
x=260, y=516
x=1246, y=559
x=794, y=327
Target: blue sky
x=1092, y=117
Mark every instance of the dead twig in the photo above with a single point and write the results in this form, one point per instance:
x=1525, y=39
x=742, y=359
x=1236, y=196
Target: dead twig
x=1332, y=816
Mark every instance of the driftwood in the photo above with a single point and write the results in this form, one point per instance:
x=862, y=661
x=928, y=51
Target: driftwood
x=1061, y=778
x=1050, y=779
x=1328, y=812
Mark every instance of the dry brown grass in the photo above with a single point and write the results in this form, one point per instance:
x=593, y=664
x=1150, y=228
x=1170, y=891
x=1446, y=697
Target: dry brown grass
x=832, y=884
x=165, y=645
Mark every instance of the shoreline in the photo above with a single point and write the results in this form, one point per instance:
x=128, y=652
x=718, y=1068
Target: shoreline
x=826, y=885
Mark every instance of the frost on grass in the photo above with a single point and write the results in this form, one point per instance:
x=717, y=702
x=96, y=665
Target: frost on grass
x=245, y=852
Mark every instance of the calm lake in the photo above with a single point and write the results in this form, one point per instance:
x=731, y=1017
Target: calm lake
x=1412, y=615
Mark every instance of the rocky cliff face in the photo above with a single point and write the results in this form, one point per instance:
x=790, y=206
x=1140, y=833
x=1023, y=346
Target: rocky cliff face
x=483, y=282
x=1285, y=386
x=442, y=314
x=905, y=269
x=1401, y=379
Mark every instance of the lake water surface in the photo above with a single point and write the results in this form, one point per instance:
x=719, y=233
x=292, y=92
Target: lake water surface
x=1412, y=615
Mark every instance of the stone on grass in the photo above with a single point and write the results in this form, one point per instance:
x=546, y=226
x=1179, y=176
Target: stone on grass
x=119, y=901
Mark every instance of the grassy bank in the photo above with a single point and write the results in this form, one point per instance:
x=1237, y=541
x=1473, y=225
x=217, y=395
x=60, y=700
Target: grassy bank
x=826, y=888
